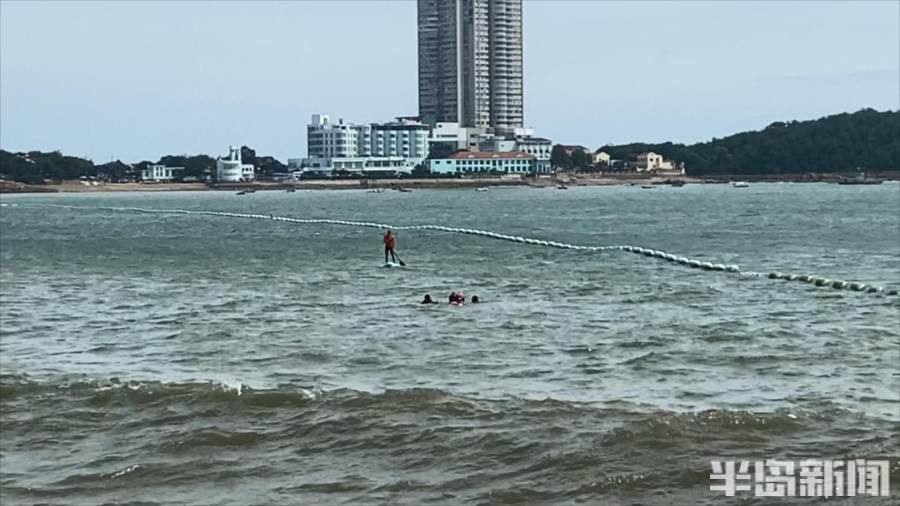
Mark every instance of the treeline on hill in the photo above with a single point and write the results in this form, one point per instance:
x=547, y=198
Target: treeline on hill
x=36, y=167
x=866, y=139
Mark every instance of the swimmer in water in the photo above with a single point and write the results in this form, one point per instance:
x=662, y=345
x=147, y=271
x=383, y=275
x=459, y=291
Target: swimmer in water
x=428, y=299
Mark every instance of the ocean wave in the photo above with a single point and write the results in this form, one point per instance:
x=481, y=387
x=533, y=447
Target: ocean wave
x=114, y=392
x=111, y=436
x=88, y=394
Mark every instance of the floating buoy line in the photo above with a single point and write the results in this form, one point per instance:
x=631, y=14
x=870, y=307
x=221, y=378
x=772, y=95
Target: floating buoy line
x=817, y=281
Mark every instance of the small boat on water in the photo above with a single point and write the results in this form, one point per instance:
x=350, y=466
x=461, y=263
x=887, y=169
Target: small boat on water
x=860, y=179
x=404, y=190
x=647, y=186
x=375, y=190
x=241, y=193
x=740, y=184
x=562, y=187
x=482, y=189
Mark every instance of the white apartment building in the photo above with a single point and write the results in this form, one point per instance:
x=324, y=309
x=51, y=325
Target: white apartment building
x=407, y=138
x=450, y=132
x=454, y=136
x=539, y=148
x=325, y=139
x=232, y=169
x=159, y=173
x=401, y=144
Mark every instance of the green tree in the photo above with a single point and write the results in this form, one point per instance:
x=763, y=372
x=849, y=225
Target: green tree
x=248, y=155
x=840, y=143
x=116, y=171
x=266, y=166
x=194, y=166
x=560, y=158
x=580, y=160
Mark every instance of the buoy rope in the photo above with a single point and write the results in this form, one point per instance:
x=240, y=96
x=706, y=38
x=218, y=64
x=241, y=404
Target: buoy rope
x=817, y=281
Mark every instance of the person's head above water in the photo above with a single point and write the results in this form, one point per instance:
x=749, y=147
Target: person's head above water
x=475, y=299
x=427, y=299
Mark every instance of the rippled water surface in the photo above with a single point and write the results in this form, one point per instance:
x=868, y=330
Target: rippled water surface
x=189, y=359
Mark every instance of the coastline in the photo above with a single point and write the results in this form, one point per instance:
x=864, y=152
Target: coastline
x=562, y=178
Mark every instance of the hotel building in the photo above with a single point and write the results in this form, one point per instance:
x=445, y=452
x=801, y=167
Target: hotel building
x=395, y=146
x=471, y=63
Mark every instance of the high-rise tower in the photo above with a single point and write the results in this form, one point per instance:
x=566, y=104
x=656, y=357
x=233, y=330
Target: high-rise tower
x=470, y=62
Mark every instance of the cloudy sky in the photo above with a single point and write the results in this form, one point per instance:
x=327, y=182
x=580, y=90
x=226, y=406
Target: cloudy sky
x=136, y=80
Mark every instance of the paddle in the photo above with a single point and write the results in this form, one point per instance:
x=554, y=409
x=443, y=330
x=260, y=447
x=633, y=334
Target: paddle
x=402, y=263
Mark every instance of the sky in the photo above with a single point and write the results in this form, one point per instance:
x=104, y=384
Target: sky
x=136, y=80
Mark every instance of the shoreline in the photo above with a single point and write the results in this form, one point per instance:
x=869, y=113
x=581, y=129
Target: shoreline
x=562, y=178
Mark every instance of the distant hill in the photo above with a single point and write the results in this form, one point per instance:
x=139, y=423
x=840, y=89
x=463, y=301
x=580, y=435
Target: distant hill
x=867, y=139
x=35, y=166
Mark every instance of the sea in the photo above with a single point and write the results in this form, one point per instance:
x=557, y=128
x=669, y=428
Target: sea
x=196, y=359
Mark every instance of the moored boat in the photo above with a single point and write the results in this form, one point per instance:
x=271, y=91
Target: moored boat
x=860, y=179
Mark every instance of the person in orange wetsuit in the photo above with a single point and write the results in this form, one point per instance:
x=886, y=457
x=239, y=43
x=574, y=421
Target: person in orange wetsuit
x=389, y=243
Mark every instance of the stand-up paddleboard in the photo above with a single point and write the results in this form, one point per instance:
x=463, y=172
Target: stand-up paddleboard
x=391, y=265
